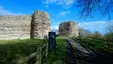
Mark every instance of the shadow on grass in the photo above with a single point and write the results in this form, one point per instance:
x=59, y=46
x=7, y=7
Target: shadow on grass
x=15, y=49
x=102, y=50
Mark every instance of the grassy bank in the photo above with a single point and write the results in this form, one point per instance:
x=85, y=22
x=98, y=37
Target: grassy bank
x=11, y=50
x=59, y=56
x=96, y=45
x=102, y=49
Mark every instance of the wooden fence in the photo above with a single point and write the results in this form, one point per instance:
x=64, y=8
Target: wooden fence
x=40, y=56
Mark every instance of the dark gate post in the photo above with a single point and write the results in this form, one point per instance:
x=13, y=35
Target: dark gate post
x=52, y=42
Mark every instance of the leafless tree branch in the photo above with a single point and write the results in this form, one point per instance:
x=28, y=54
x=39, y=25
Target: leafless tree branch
x=89, y=6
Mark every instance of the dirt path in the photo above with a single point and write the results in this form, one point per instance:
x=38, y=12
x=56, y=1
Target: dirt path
x=70, y=58
x=78, y=46
x=70, y=53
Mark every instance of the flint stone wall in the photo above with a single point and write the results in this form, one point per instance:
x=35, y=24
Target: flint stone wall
x=21, y=27
x=68, y=28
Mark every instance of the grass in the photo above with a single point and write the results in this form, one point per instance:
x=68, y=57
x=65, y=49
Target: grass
x=96, y=44
x=12, y=50
x=102, y=49
x=59, y=56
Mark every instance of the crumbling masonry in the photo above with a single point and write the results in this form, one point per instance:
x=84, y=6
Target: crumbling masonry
x=68, y=28
x=36, y=25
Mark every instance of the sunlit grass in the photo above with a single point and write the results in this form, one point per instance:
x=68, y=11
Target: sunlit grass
x=101, y=48
x=96, y=45
x=59, y=56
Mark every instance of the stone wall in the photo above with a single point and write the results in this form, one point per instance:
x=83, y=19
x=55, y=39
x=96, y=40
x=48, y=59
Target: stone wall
x=14, y=27
x=40, y=24
x=68, y=28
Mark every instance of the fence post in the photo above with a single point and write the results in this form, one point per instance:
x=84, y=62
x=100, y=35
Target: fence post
x=38, y=56
x=52, y=42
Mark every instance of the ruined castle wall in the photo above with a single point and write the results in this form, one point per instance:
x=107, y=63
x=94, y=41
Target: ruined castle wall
x=36, y=25
x=41, y=24
x=68, y=28
x=14, y=27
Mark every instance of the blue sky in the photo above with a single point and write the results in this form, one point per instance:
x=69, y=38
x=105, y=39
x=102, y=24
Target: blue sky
x=59, y=10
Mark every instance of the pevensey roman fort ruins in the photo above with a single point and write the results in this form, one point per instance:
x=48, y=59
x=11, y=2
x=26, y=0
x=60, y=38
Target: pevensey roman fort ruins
x=36, y=25
x=68, y=28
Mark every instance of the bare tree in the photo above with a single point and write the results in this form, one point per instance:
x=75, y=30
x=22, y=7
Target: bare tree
x=109, y=34
x=88, y=6
x=84, y=32
x=110, y=27
x=97, y=35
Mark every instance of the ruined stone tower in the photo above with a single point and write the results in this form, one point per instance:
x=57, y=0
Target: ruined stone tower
x=36, y=25
x=40, y=24
x=68, y=28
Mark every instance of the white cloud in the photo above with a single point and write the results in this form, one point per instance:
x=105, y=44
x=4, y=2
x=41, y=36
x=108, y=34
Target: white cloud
x=50, y=1
x=63, y=3
x=99, y=26
x=69, y=2
x=64, y=13
x=6, y=12
x=93, y=26
x=46, y=6
x=54, y=27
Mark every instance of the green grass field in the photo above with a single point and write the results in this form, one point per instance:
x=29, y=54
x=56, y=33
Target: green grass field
x=59, y=56
x=96, y=45
x=12, y=50
x=101, y=48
